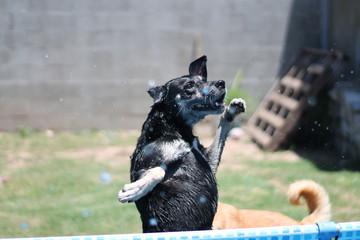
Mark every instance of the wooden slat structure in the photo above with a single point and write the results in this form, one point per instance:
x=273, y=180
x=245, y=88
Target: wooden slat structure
x=278, y=115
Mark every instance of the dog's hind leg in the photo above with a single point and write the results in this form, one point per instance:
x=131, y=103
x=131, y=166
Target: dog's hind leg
x=214, y=152
x=135, y=190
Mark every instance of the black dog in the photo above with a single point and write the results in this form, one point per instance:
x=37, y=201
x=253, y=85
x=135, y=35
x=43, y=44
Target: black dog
x=172, y=175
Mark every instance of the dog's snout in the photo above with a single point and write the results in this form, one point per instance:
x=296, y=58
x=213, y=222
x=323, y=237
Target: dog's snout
x=220, y=84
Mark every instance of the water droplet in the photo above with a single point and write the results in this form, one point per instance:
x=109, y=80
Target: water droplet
x=24, y=226
x=46, y=56
x=205, y=91
x=202, y=199
x=312, y=101
x=61, y=99
x=105, y=177
x=153, y=221
x=52, y=187
x=232, y=111
x=85, y=213
x=163, y=166
x=151, y=83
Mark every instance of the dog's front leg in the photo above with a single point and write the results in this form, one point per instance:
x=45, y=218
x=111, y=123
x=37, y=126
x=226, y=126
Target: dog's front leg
x=161, y=153
x=214, y=152
x=135, y=190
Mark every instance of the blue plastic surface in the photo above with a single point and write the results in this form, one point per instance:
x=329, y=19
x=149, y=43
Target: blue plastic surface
x=319, y=231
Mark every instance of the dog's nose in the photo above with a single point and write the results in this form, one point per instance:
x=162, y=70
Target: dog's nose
x=220, y=84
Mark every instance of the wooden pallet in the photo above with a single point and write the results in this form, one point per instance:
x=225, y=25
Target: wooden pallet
x=278, y=114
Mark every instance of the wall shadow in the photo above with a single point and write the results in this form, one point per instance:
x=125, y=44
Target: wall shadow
x=304, y=29
x=309, y=26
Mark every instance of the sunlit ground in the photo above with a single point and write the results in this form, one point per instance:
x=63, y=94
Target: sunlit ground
x=67, y=183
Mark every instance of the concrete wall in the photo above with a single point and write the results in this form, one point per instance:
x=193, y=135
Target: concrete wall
x=304, y=29
x=75, y=64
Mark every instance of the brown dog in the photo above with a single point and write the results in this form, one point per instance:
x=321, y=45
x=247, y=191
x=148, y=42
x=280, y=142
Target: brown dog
x=317, y=200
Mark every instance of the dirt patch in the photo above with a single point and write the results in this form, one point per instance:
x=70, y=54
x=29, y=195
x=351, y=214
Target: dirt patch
x=279, y=185
x=234, y=152
x=16, y=160
x=112, y=155
x=244, y=148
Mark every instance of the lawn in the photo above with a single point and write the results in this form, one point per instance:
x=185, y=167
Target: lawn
x=66, y=183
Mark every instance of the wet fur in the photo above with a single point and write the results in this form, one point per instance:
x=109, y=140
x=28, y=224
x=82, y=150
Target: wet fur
x=172, y=175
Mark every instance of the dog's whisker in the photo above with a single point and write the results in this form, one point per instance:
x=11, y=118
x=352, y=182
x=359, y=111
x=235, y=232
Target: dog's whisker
x=181, y=109
x=170, y=101
x=208, y=99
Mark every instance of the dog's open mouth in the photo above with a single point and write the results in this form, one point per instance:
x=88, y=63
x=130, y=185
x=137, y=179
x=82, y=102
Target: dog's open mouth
x=214, y=105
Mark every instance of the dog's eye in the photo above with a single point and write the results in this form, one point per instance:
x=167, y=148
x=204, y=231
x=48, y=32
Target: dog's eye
x=189, y=85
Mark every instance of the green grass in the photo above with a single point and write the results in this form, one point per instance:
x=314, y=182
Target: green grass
x=55, y=185
x=61, y=196
x=48, y=195
x=262, y=185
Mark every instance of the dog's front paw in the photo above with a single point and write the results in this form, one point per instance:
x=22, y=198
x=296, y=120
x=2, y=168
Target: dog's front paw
x=236, y=107
x=131, y=192
x=134, y=191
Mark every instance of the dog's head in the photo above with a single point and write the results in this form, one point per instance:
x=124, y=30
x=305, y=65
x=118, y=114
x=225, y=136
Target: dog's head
x=191, y=97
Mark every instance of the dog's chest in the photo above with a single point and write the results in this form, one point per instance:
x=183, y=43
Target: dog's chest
x=193, y=166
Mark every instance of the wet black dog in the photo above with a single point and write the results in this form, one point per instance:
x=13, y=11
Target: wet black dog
x=172, y=175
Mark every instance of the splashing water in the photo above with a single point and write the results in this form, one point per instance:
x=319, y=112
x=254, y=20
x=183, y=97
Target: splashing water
x=24, y=226
x=202, y=199
x=162, y=194
x=106, y=177
x=232, y=111
x=312, y=101
x=151, y=83
x=205, y=91
x=163, y=166
x=85, y=213
x=52, y=187
x=153, y=221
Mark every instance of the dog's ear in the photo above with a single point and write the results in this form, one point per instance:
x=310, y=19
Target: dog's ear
x=157, y=93
x=198, y=68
